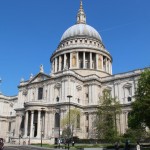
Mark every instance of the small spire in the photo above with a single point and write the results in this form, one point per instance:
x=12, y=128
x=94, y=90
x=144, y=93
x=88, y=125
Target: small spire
x=81, y=6
x=81, y=17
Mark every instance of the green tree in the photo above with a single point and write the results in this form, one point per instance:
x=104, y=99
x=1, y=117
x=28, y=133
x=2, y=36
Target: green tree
x=107, y=115
x=141, y=107
x=139, y=116
x=74, y=122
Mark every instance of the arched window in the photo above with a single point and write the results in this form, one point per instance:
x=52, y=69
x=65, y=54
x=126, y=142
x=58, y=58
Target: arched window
x=57, y=120
x=78, y=121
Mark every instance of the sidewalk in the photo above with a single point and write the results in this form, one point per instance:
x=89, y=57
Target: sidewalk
x=32, y=146
x=9, y=144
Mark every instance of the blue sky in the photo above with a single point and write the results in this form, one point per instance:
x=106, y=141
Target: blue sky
x=30, y=31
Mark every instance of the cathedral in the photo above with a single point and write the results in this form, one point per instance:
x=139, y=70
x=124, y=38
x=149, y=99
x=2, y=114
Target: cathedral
x=81, y=71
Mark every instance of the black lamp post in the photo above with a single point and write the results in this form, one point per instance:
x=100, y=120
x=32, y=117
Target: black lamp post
x=59, y=126
x=19, y=138
x=57, y=99
x=41, y=137
x=69, y=96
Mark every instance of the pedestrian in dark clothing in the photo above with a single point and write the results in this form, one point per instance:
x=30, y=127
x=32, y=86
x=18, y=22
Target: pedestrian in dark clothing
x=127, y=146
x=65, y=143
x=72, y=143
x=116, y=146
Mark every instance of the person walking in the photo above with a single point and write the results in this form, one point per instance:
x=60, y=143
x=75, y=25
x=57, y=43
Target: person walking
x=138, y=146
x=127, y=146
x=116, y=146
x=72, y=143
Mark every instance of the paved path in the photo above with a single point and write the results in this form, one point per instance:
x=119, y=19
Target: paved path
x=26, y=148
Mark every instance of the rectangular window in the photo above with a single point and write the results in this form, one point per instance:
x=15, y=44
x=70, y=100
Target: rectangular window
x=129, y=98
x=40, y=93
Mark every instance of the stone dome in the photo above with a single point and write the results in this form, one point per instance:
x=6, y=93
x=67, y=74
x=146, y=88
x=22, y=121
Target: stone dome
x=81, y=30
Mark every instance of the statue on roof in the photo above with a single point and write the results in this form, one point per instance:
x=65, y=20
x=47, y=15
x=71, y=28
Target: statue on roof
x=41, y=68
x=31, y=76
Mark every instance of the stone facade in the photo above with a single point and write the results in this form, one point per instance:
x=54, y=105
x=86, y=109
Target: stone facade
x=82, y=68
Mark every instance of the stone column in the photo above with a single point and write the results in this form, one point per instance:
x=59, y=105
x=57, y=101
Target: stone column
x=60, y=63
x=62, y=91
x=96, y=61
x=102, y=63
x=70, y=60
x=90, y=60
x=55, y=64
x=48, y=124
x=64, y=60
x=45, y=128
x=122, y=123
x=83, y=60
x=48, y=93
x=39, y=124
x=110, y=68
x=53, y=67
x=16, y=126
x=77, y=59
x=90, y=93
x=106, y=65
x=31, y=127
x=26, y=124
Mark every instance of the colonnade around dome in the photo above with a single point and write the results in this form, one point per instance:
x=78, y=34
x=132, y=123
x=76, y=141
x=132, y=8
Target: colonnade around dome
x=82, y=60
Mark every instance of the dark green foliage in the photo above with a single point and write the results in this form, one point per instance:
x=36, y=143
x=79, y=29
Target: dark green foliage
x=140, y=115
x=135, y=134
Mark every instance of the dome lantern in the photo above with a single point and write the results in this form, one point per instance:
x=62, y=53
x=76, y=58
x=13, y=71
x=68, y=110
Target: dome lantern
x=81, y=17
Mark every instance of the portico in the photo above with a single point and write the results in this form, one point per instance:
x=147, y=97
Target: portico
x=35, y=123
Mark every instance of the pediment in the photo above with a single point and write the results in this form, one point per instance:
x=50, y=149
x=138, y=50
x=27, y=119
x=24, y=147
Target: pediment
x=126, y=85
x=39, y=77
x=108, y=88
